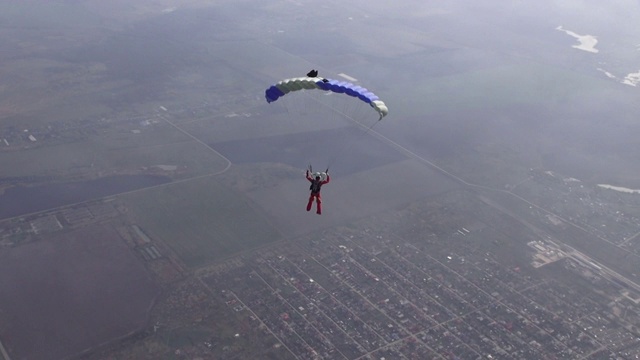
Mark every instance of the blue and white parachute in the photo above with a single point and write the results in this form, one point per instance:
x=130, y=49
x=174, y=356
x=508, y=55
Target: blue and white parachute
x=280, y=89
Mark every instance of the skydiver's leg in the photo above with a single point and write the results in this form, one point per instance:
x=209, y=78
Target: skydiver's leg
x=318, y=204
x=310, y=202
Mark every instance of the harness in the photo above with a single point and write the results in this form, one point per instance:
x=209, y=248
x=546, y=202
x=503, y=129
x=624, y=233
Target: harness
x=315, y=186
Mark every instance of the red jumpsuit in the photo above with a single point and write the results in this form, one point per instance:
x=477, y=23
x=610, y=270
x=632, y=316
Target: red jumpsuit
x=315, y=192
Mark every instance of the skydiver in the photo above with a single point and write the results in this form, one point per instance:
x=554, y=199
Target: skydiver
x=312, y=73
x=316, y=184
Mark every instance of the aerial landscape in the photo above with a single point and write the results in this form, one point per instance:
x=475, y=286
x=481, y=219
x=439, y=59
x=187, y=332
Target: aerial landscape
x=153, y=191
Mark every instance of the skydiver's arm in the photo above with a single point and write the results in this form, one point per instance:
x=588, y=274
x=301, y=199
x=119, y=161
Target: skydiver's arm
x=328, y=179
x=309, y=176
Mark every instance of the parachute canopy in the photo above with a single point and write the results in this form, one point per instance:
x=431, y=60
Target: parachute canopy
x=286, y=86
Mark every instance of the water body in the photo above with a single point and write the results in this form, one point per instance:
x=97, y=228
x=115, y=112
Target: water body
x=22, y=200
x=620, y=189
x=587, y=42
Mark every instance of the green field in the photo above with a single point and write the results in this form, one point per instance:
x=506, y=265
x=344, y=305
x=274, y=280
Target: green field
x=115, y=151
x=202, y=220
